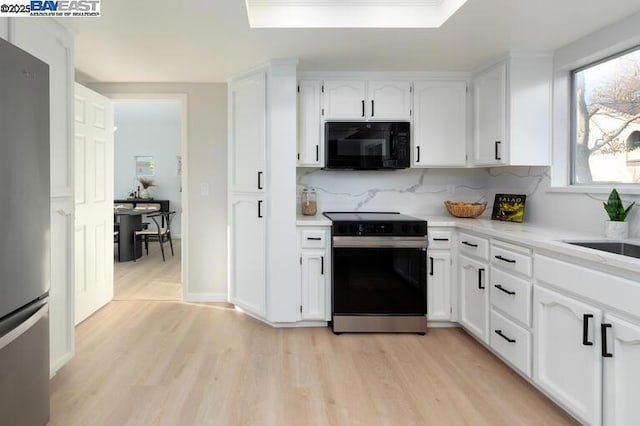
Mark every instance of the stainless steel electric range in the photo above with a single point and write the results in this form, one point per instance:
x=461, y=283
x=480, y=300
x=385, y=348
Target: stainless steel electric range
x=379, y=274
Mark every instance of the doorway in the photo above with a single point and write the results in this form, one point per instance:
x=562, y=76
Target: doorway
x=149, y=159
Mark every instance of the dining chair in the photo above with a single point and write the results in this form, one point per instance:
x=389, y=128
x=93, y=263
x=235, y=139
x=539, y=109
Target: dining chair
x=162, y=230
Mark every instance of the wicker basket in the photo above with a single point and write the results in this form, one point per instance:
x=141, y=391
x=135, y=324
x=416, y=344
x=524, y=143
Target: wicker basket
x=468, y=210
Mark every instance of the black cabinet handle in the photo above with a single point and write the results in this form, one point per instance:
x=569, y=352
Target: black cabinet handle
x=585, y=330
x=504, y=259
x=603, y=333
x=259, y=208
x=363, y=107
x=321, y=265
x=499, y=287
x=440, y=239
x=431, y=264
x=497, y=154
x=480, y=285
x=499, y=333
x=372, y=108
x=467, y=243
x=317, y=152
x=314, y=238
x=418, y=159
x=259, y=180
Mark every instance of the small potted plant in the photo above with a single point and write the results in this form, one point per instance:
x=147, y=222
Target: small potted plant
x=616, y=228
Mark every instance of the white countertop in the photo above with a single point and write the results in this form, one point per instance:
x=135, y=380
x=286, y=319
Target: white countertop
x=543, y=238
x=317, y=220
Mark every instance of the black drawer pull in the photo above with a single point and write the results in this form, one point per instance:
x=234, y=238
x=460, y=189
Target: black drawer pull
x=467, y=243
x=499, y=333
x=260, y=180
x=363, y=107
x=480, y=285
x=499, y=287
x=497, y=155
x=585, y=330
x=314, y=238
x=440, y=239
x=321, y=265
x=259, y=208
x=431, y=262
x=603, y=332
x=504, y=259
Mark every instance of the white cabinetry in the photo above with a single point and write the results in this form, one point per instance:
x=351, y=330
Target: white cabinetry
x=510, y=295
x=474, y=296
x=247, y=133
x=512, y=112
x=362, y=100
x=566, y=358
x=310, y=144
x=439, y=291
x=439, y=123
x=247, y=251
x=314, y=273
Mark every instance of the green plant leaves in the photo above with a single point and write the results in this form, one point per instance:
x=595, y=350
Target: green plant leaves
x=614, y=207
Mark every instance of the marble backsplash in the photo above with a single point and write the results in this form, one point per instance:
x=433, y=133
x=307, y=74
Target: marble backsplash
x=423, y=191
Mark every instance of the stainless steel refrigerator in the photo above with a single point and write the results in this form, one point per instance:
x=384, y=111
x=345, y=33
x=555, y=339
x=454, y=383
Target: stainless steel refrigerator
x=24, y=238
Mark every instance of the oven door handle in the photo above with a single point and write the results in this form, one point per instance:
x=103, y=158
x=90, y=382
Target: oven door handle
x=380, y=242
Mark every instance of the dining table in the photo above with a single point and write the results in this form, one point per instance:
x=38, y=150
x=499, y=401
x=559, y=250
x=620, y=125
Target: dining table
x=129, y=220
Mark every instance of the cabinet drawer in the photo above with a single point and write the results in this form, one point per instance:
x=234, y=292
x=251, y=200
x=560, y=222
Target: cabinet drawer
x=512, y=342
x=510, y=260
x=475, y=246
x=440, y=239
x=313, y=238
x=512, y=295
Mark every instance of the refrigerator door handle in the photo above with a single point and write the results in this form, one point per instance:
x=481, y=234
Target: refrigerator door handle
x=23, y=327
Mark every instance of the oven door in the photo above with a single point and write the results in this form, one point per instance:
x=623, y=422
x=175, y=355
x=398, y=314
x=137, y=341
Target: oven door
x=382, y=280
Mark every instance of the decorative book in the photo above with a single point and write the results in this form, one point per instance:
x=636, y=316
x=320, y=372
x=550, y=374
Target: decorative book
x=509, y=207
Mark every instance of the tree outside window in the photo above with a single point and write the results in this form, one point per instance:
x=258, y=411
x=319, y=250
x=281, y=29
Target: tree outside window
x=606, y=124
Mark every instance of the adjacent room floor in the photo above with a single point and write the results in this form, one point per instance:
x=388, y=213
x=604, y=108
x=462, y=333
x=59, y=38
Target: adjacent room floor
x=163, y=362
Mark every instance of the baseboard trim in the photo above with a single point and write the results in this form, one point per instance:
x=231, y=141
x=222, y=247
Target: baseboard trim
x=205, y=297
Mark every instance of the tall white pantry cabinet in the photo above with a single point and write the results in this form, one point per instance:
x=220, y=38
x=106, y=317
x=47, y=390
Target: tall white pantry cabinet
x=52, y=43
x=261, y=183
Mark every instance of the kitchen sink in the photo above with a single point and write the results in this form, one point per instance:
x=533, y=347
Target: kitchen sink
x=617, y=247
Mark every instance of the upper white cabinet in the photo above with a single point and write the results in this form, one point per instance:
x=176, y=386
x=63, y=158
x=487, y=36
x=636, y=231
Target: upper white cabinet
x=310, y=146
x=344, y=100
x=439, y=124
x=512, y=112
x=366, y=100
x=247, y=133
x=389, y=100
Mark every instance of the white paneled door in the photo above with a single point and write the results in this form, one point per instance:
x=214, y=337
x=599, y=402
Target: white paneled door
x=93, y=202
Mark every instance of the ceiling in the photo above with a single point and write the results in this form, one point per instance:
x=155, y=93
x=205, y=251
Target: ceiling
x=210, y=40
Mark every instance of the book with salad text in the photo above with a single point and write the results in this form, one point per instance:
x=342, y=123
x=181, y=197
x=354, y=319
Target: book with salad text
x=509, y=207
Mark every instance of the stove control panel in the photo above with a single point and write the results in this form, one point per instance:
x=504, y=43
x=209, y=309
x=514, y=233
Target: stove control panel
x=417, y=228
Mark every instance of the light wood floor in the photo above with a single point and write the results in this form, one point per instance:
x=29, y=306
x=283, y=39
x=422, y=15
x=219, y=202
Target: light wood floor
x=149, y=278
x=172, y=363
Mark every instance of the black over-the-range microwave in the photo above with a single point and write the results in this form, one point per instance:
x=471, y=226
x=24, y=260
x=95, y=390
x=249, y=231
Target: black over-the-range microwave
x=367, y=145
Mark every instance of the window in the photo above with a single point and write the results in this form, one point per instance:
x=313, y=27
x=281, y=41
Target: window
x=606, y=121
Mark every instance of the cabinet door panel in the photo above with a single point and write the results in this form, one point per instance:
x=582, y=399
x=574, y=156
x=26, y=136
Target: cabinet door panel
x=343, y=99
x=440, y=123
x=565, y=366
x=621, y=372
x=247, y=240
x=474, y=297
x=247, y=132
x=490, y=116
x=389, y=100
x=314, y=273
x=310, y=146
x=439, y=287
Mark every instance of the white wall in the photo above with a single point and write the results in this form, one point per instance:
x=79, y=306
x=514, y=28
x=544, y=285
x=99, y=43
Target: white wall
x=206, y=163
x=410, y=191
x=153, y=129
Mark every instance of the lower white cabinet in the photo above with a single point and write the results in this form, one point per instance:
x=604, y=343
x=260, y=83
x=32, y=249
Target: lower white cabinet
x=248, y=253
x=567, y=357
x=621, y=352
x=439, y=286
x=511, y=341
x=474, y=296
x=314, y=273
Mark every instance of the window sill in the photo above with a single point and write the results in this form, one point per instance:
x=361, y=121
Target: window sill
x=625, y=189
